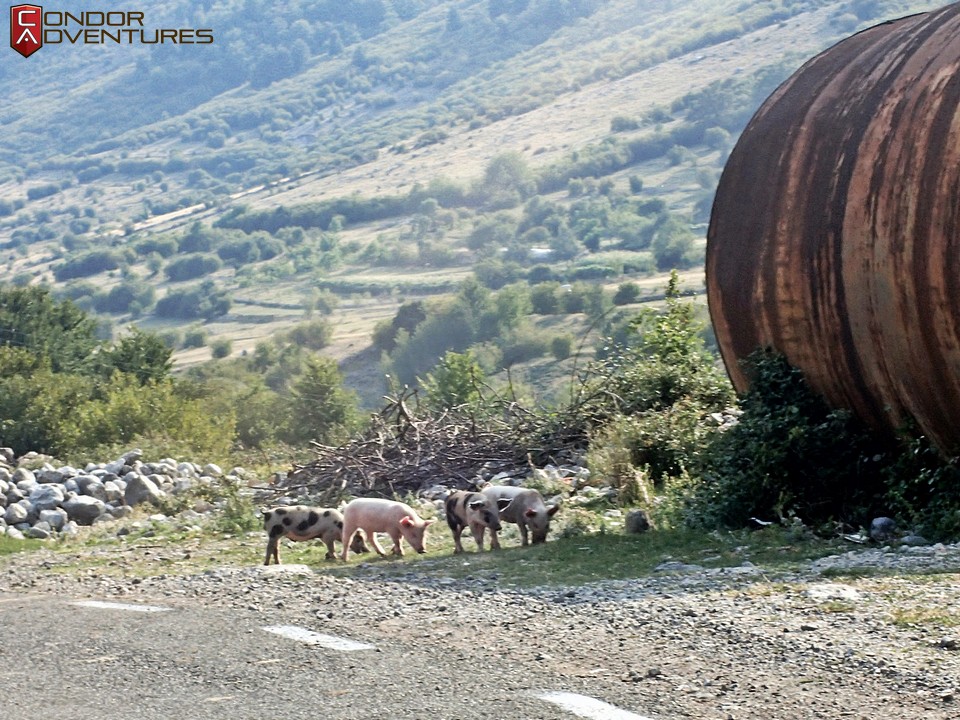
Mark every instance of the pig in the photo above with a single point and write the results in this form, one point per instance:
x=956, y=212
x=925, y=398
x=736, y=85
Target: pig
x=525, y=508
x=300, y=523
x=396, y=519
x=477, y=511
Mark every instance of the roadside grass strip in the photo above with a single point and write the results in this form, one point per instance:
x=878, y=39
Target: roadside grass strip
x=588, y=707
x=130, y=607
x=309, y=637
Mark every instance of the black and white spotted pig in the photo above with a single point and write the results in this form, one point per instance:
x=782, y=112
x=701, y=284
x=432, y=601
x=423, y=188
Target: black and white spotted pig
x=300, y=523
x=471, y=509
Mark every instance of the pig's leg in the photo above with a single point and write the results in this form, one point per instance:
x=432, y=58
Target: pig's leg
x=331, y=553
x=523, y=533
x=477, y=531
x=397, y=548
x=273, y=545
x=349, y=528
x=372, y=539
x=458, y=547
x=494, y=540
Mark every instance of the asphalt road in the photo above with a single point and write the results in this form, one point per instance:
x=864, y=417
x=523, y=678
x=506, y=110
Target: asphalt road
x=59, y=658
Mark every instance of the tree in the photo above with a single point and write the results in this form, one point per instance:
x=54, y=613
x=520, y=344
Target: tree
x=140, y=353
x=627, y=293
x=454, y=381
x=507, y=181
x=673, y=245
x=323, y=409
x=192, y=266
x=57, y=332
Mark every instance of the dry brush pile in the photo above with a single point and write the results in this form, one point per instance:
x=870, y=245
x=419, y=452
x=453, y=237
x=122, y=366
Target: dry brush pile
x=403, y=451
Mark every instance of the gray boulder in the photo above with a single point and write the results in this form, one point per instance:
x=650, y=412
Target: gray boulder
x=47, y=497
x=16, y=513
x=141, y=489
x=89, y=485
x=50, y=476
x=40, y=531
x=84, y=509
x=55, y=518
x=883, y=529
x=112, y=492
x=23, y=475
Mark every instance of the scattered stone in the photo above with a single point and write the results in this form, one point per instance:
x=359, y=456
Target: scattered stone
x=84, y=509
x=824, y=592
x=637, y=522
x=141, y=489
x=883, y=529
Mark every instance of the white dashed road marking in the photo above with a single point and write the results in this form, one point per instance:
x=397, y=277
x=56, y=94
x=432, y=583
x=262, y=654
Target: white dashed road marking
x=314, y=638
x=588, y=707
x=120, y=606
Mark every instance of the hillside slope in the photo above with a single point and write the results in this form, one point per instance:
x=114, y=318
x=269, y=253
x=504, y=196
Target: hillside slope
x=123, y=161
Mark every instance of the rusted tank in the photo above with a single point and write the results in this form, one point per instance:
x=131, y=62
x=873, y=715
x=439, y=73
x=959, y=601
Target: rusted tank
x=835, y=233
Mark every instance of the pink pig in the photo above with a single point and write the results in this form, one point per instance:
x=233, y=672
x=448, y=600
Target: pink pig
x=373, y=515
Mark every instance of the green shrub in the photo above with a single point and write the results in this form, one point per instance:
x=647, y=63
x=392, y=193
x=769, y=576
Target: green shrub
x=313, y=335
x=923, y=489
x=220, y=349
x=91, y=263
x=561, y=346
x=192, y=266
x=627, y=293
x=524, y=345
x=789, y=452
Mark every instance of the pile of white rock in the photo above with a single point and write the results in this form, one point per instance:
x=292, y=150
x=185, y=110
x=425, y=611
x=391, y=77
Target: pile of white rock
x=47, y=501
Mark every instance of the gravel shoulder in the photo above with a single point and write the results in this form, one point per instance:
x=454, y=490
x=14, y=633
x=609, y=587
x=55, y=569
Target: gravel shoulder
x=871, y=633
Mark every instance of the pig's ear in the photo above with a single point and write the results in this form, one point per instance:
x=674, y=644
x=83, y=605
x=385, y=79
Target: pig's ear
x=428, y=523
x=477, y=504
x=530, y=513
x=503, y=504
x=406, y=520
x=552, y=510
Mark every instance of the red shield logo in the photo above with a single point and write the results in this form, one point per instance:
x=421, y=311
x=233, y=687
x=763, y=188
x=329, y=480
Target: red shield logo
x=26, y=29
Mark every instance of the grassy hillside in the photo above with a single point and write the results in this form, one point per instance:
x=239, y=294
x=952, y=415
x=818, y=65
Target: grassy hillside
x=347, y=157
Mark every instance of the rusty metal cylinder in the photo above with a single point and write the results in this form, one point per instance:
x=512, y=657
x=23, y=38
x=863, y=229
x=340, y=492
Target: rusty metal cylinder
x=835, y=232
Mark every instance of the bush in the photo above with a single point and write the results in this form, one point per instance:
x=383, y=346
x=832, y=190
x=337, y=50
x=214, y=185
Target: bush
x=123, y=296
x=67, y=414
x=561, y=346
x=923, y=489
x=42, y=191
x=164, y=245
x=314, y=335
x=789, y=453
x=192, y=266
x=621, y=123
x=220, y=349
x=91, y=263
x=201, y=301
x=524, y=346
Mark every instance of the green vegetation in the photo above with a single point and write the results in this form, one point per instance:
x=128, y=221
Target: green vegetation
x=298, y=176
